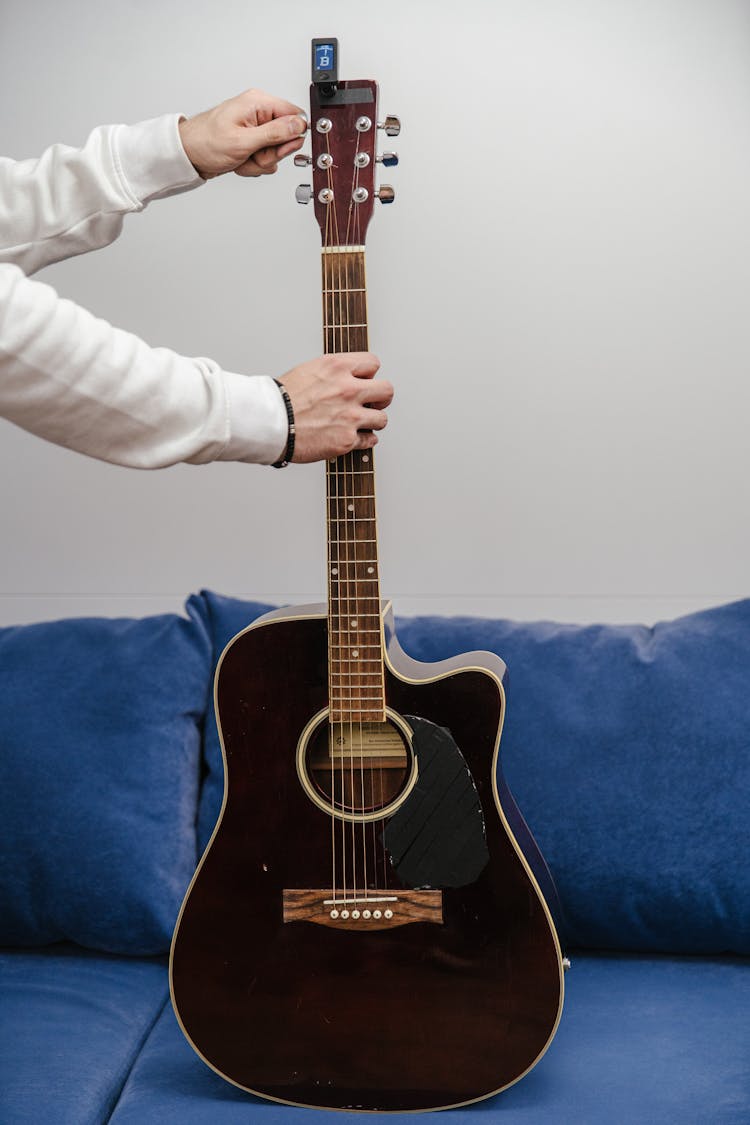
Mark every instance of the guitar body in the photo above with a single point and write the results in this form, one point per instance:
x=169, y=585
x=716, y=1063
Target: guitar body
x=450, y=1007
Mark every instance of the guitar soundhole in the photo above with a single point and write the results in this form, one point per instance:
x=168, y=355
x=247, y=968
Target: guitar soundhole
x=359, y=768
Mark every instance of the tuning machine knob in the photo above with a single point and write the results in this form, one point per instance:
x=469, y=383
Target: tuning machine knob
x=385, y=193
x=301, y=160
x=389, y=159
x=304, y=193
x=391, y=126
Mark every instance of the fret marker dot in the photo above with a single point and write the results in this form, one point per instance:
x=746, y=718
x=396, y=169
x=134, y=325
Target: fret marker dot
x=334, y=571
x=355, y=652
x=350, y=507
x=370, y=570
x=354, y=624
x=365, y=458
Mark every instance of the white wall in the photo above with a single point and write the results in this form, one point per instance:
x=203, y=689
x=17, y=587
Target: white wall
x=560, y=294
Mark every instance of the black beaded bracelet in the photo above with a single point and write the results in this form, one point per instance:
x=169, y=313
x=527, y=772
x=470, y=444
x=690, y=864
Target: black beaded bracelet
x=289, y=451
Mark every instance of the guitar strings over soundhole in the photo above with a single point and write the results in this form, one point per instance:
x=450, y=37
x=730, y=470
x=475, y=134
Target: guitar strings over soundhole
x=358, y=769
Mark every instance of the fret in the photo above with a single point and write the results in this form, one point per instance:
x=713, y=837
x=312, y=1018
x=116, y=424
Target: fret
x=356, y=633
x=351, y=472
x=344, y=289
x=342, y=717
x=353, y=496
x=353, y=518
x=341, y=693
x=359, y=615
x=375, y=648
x=346, y=699
x=343, y=713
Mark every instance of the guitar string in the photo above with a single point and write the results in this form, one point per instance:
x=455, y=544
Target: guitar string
x=333, y=205
x=361, y=320
x=355, y=211
x=331, y=739
x=374, y=602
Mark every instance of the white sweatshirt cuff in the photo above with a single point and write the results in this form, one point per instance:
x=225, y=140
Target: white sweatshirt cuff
x=258, y=424
x=151, y=161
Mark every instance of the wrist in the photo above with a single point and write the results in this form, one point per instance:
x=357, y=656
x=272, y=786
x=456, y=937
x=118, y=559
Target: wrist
x=151, y=159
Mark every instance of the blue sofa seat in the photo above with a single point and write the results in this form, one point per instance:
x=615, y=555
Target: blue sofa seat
x=87, y=1038
x=627, y=749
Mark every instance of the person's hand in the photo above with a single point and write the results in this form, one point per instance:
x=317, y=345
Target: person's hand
x=248, y=135
x=337, y=403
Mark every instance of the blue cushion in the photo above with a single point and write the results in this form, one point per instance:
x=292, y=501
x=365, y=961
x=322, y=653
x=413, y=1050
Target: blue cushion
x=641, y=1040
x=100, y=725
x=223, y=618
x=627, y=750
x=71, y=1026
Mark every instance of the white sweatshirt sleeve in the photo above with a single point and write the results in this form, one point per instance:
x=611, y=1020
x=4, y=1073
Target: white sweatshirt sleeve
x=74, y=379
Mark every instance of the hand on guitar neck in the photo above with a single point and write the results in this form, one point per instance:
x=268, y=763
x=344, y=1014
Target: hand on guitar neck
x=338, y=404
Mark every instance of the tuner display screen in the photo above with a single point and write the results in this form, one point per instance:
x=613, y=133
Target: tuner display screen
x=324, y=57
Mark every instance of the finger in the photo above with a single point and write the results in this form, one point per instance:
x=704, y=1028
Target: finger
x=265, y=158
x=377, y=394
x=251, y=100
x=276, y=132
x=362, y=364
x=366, y=440
x=290, y=147
x=252, y=168
x=374, y=420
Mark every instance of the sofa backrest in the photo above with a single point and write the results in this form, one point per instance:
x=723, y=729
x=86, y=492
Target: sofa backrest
x=626, y=748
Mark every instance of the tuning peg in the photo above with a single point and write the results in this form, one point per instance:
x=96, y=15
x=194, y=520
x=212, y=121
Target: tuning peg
x=391, y=125
x=304, y=193
x=301, y=160
x=390, y=159
x=385, y=193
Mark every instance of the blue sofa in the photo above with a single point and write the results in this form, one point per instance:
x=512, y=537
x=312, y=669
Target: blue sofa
x=627, y=748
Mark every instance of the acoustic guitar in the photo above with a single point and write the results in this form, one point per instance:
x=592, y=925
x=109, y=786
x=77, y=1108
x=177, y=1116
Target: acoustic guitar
x=370, y=926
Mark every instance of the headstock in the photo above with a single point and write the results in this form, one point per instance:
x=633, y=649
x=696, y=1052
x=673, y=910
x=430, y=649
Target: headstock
x=343, y=128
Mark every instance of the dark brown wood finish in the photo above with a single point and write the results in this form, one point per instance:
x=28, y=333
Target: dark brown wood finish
x=416, y=1017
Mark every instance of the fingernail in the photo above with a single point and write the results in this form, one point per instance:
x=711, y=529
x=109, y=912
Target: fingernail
x=298, y=126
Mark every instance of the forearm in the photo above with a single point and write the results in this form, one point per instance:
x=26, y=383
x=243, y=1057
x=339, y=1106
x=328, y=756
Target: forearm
x=72, y=200
x=74, y=379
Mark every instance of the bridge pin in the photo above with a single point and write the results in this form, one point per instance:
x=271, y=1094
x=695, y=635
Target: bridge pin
x=366, y=914
x=389, y=913
x=344, y=913
x=355, y=914
x=334, y=913
x=377, y=914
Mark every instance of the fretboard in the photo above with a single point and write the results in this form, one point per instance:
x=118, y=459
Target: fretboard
x=355, y=639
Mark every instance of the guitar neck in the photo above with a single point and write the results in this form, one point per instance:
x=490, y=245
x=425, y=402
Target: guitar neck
x=355, y=636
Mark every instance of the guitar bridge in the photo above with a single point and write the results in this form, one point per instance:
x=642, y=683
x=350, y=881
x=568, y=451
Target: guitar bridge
x=367, y=910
